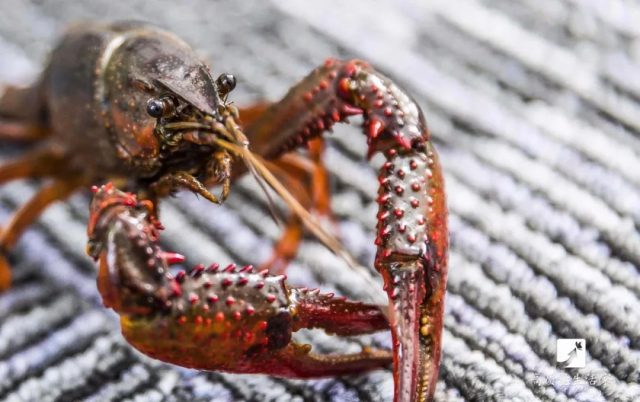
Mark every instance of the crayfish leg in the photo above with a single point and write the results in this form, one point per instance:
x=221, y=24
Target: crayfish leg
x=55, y=191
x=5, y=273
x=18, y=131
x=37, y=163
x=23, y=104
x=307, y=179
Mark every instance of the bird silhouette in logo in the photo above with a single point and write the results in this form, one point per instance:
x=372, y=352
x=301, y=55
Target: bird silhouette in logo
x=572, y=357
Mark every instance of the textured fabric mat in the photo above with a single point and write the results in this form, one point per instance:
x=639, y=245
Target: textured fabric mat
x=535, y=109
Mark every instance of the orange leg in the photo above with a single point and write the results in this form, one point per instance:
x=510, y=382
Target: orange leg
x=17, y=131
x=37, y=163
x=307, y=180
x=304, y=176
x=57, y=190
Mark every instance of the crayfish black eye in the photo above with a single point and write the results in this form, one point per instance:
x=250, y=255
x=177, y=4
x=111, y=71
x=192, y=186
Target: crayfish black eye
x=160, y=107
x=226, y=83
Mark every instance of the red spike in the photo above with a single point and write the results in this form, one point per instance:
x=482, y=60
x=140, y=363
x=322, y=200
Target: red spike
x=172, y=258
x=180, y=276
x=384, y=198
x=230, y=268
x=382, y=215
x=230, y=300
x=250, y=310
x=375, y=127
x=226, y=282
x=242, y=281
x=197, y=270
x=350, y=110
x=213, y=267
x=176, y=290
x=264, y=273
x=403, y=141
x=193, y=298
x=259, y=285
x=94, y=189
x=246, y=268
x=344, y=86
x=271, y=298
x=212, y=298
x=335, y=115
x=237, y=316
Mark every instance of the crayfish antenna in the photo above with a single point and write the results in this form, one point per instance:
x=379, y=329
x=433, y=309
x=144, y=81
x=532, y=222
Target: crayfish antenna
x=309, y=221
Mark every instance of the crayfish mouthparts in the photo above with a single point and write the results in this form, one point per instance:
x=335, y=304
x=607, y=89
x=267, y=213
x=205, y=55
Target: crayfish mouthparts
x=215, y=318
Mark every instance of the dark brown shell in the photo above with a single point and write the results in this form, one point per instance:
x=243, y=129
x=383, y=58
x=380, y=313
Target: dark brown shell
x=97, y=66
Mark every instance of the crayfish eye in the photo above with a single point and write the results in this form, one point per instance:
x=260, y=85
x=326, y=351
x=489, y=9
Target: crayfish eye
x=160, y=107
x=226, y=83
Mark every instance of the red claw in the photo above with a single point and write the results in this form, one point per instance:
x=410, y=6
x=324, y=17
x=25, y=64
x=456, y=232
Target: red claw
x=412, y=218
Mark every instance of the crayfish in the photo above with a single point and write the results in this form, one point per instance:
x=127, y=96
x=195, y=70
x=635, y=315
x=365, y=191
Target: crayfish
x=132, y=104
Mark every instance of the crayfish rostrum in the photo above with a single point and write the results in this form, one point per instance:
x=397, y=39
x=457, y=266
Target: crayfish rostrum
x=132, y=104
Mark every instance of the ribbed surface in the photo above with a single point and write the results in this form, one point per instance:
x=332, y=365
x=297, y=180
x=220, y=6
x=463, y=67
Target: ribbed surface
x=534, y=106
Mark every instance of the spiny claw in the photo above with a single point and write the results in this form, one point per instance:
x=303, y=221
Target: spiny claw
x=231, y=319
x=412, y=219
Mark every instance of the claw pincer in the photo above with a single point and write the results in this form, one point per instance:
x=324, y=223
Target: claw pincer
x=412, y=236
x=214, y=318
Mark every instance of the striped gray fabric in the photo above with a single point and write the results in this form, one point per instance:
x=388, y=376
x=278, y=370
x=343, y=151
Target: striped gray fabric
x=535, y=109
